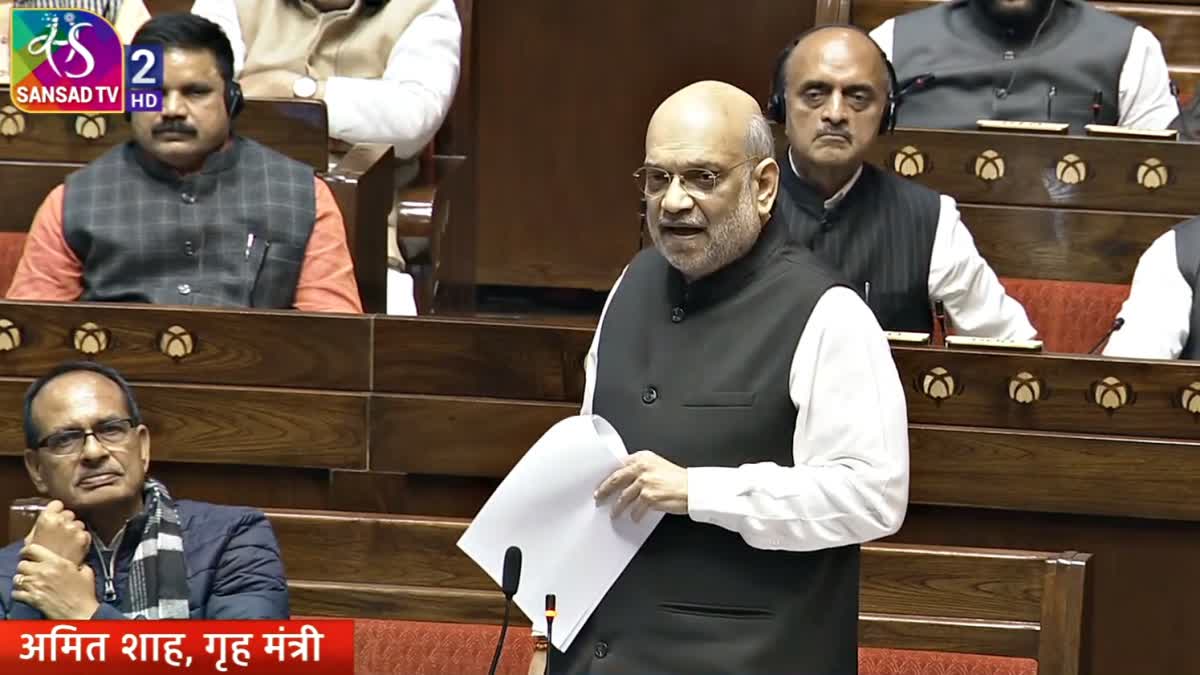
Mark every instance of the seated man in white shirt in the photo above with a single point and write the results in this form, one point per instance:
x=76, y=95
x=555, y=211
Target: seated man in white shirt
x=902, y=245
x=386, y=69
x=1159, y=319
x=1027, y=60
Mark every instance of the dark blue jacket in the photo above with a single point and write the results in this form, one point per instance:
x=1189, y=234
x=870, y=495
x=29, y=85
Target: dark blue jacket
x=233, y=567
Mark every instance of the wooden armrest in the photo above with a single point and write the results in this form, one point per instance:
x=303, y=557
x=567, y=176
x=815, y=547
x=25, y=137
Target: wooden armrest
x=418, y=202
x=364, y=184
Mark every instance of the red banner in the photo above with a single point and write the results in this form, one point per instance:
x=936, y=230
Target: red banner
x=134, y=647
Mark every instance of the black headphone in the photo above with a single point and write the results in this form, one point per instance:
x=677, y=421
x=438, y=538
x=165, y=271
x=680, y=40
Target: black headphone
x=234, y=101
x=777, y=103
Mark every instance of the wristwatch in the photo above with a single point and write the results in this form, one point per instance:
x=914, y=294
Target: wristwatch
x=304, y=87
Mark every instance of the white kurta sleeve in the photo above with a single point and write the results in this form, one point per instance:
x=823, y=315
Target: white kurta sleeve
x=1158, y=311
x=976, y=302
x=849, y=483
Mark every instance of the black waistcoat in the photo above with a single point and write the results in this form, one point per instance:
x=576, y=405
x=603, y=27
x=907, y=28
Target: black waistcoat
x=699, y=373
x=982, y=72
x=880, y=234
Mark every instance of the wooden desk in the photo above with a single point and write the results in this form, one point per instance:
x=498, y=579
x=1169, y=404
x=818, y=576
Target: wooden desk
x=1052, y=207
x=424, y=416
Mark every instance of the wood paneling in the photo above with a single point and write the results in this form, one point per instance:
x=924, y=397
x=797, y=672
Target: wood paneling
x=480, y=358
x=26, y=184
x=1063, y=244
x=1054, y=473
x=284, y=428
x=420, y=495
x=1143, y=594
x=230, y=347
x=565, y=92
x=971, y=600
x=1027, y=167
x=297, y=128
x=1152, y=391
x=456, y=436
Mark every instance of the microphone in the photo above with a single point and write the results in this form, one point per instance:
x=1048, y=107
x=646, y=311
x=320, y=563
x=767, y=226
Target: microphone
x=1181, y=122
x=1097, y=106
x=915, y=84
x=1050, y=103
x=551, y=612
x=509, y=583
x=1116, y=326
x=939, y=313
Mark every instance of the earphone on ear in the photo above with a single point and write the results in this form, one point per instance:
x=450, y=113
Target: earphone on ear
x=777, y=103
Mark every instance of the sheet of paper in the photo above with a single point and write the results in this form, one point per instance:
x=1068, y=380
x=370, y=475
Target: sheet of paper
x=570, y=546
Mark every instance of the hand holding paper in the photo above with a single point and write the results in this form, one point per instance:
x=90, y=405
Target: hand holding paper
x=546, y=506
x=647, y=481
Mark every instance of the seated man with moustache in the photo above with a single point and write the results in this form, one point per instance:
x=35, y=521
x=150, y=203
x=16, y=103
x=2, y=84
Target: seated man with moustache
x=113, y=543
x=188, y=212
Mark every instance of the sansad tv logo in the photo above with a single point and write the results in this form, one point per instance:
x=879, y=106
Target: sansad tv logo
x=71, y=60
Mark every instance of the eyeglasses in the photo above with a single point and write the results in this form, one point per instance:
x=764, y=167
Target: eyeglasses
x=71, y=441
x=654, y=182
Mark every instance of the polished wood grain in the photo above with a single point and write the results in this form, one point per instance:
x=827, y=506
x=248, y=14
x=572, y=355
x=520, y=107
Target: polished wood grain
x=1153, y=393
x=971, y=600
x=1030, y=164
x=456, y=436
x=229, y=347
x=563, y=112
x=364, y=185
x=1063, y=244
x=297, y=128
x=997, y=638
x=413, y=494
x=26, y=185
x=217, y=425
x=366, y=601
x=1054, y=473
x=1142, y=593
x=497, y=359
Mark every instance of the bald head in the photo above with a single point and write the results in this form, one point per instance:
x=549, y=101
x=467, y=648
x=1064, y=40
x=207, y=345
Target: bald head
x=835, y=90
x=839, y=46
x=710, y=179
x=715, y=115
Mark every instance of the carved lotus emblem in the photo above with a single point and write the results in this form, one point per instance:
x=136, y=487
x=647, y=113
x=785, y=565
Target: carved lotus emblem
x=1153, y=174
x=909, y=161
x=176, y=342
x=12, y=121
x=938, y=384
x=1189, y=398
x=90, y=339
x=1111, y=394
x=10, y=336
x=1026, y=388
x=91, y=127
x=989, y=166
x=1071, y=170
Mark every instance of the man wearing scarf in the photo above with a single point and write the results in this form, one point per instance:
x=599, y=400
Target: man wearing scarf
x=113, y=543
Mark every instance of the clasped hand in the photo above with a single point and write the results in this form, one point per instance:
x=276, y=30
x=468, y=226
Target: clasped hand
x=647, y=481
x=51, y=576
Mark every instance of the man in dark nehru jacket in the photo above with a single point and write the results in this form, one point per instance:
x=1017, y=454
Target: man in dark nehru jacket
x=767, y=417
x=901, y=245
x=1030, y=60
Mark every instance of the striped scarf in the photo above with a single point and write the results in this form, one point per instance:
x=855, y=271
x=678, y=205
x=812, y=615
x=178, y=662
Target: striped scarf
x=158, y=574
x=105, y=8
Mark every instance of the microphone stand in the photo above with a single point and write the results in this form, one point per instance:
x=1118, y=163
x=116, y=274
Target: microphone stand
x=551, y=612
x=503, y=631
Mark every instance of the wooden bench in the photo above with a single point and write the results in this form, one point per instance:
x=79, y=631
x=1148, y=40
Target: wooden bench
x=1175, y=24
x=1020, y=604
x=38, y=151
